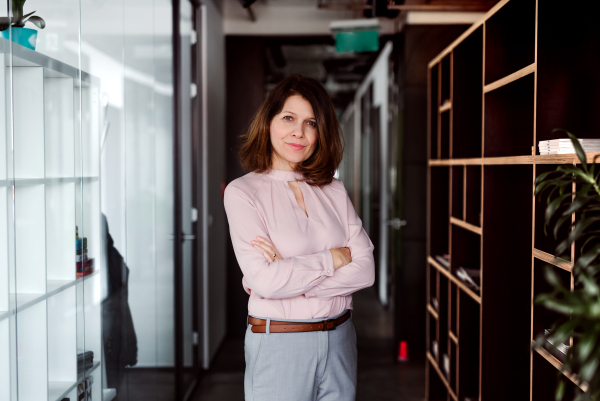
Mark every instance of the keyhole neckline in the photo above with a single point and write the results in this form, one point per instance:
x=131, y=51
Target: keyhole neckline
x=283, y=175
x=293, y=197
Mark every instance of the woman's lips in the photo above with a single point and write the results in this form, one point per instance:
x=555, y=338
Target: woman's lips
x=295, y=146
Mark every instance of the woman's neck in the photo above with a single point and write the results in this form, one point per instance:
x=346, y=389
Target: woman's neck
x=279, y=164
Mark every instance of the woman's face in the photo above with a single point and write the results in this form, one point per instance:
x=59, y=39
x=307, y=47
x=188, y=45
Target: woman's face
x=293, y=133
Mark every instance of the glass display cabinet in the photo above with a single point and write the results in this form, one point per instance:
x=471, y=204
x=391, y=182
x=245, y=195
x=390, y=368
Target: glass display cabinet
x=51, y=238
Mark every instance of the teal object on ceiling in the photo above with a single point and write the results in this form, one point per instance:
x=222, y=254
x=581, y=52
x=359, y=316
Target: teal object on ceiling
x=357, y=41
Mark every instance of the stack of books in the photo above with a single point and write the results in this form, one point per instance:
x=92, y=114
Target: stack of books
x=443, y=260
x=565, y=146
x=559, y=351
x=446, y=365
x=471, y=277
x=85, y=361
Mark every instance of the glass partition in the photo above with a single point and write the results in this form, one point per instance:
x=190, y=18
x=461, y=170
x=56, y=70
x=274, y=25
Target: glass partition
x=86, y=203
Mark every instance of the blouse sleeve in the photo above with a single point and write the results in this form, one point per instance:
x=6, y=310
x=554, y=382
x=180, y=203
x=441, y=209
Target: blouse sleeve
x=356, y=275
x=286, y=278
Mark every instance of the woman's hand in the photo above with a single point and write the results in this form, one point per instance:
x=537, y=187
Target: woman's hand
x=341, y=257
x=267, y=248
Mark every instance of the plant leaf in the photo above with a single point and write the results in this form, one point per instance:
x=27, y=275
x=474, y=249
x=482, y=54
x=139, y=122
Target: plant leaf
x=578, y=150
x=37, y=21
x=554, y=205
x=4, y=23
x=24, y=18
x=578, y=203
x=560, y=390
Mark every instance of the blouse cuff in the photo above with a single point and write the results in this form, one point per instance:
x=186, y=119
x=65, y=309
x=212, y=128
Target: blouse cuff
x=328, y=265
x=328, y=271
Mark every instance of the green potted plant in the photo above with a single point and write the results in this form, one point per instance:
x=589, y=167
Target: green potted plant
x=579, y=309
x=15, y=26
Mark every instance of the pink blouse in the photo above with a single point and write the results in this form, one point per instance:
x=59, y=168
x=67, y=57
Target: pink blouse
x=304, y=284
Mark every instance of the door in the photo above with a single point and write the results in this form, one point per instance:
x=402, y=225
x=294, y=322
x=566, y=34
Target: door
x=374, y=186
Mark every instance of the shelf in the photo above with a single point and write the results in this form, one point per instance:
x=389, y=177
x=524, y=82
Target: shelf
x=465, y=35
x=438, y=213
x=510, y=39
x=442, y=377
x=57, y=390
x=455, y=280
x=509, y=119
x=25, y=301
x=432, y=111
x=553, y=260
x=24, y=57
x=25, y=182
x=465, y=225
x=558, y=365
x=473, y=195
x=445, y=107
x=453, y=337
x=511, y=78
x=512, y=160
x=466, y=96
x=458, y=191
x=432, y=311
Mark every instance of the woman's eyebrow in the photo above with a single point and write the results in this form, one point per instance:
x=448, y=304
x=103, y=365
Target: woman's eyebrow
x=291, y=112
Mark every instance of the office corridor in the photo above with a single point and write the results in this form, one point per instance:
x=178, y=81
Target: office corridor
x=380, y=377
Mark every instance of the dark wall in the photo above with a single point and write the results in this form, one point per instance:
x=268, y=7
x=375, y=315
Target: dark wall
x=245, y=93
x=421, y=44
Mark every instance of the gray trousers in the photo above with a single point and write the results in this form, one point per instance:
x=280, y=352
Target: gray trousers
x=306, y=366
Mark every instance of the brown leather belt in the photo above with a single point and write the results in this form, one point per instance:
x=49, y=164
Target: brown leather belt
x=260, y=325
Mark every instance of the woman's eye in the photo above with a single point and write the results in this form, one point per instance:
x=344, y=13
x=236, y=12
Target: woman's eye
x=312, y=124
x=288, y=117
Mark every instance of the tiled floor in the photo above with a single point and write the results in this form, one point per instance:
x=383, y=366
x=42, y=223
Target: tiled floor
x=380, y=377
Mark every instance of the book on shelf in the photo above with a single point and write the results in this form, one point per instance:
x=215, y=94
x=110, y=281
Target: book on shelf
x=443, y=260
x=565, y=146
x=85, y=361
x=435, y=304
x=434, y=349
x=471, y=277
x=559, y=351
x=446, y=364
x=84, y=389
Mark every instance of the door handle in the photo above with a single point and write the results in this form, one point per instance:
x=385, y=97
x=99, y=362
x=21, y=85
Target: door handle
x=396, y=223
x=184, y=237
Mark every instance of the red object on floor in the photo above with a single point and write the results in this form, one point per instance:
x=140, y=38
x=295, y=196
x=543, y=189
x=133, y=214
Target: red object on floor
x=403, y=352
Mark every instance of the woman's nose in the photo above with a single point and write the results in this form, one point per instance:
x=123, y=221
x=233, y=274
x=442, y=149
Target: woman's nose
x=297, y=131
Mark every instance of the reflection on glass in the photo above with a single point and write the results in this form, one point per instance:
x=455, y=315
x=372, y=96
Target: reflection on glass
x=86, y=205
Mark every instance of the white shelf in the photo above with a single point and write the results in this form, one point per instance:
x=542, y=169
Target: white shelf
x=30, y=240
x=24, y=300
x=60, y=227
x=49, y=182
x=57, y=390
x=32, y=356
x=24, y=182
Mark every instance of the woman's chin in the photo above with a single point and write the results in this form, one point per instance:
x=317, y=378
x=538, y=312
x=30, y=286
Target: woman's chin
x=294, y=159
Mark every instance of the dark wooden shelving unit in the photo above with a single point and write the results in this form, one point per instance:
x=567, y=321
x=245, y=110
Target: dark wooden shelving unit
x=526, y=68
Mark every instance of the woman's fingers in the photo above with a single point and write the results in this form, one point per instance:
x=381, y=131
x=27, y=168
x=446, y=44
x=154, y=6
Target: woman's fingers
x=266, y=246
x=268, y=257
x=267, y=251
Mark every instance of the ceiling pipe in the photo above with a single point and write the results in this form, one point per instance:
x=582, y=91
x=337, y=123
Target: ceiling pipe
x=457, y=7
x=247, y=5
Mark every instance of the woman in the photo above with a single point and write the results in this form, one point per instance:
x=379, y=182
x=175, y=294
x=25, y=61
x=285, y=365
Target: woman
x=301, y=247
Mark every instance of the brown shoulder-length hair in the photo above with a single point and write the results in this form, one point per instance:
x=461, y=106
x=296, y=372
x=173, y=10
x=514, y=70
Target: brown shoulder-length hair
x=256, y=151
